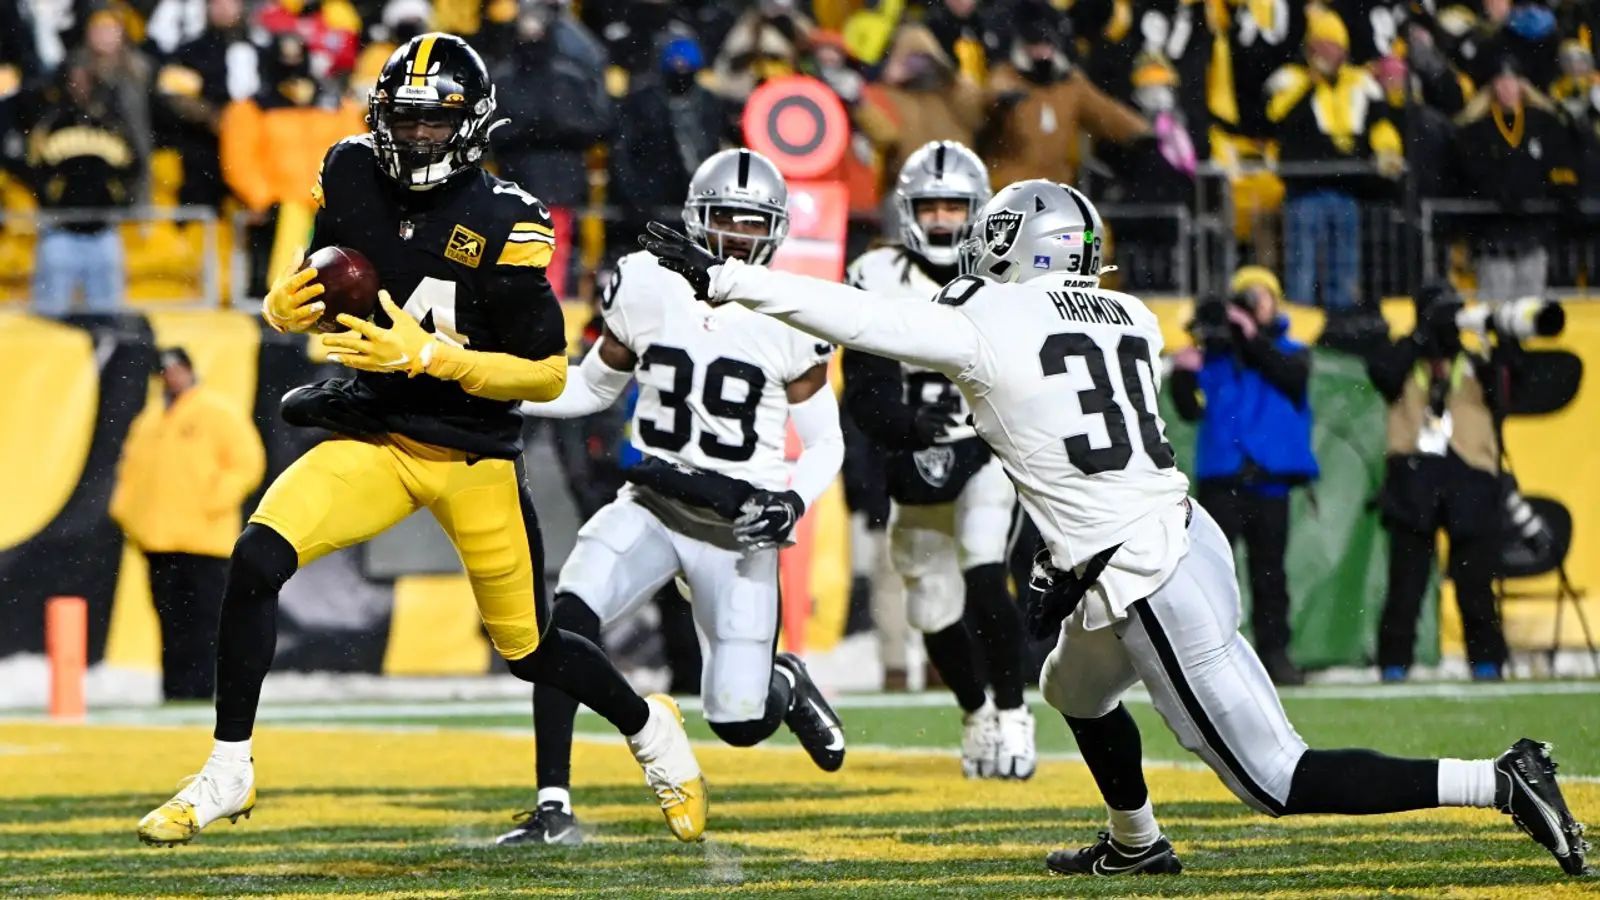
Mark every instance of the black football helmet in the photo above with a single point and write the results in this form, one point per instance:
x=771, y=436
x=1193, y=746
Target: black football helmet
x=435, y=79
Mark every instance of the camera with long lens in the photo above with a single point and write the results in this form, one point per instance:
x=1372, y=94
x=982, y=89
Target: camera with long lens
x=1520, y=319
x=1210, y=327
x=1523, y=523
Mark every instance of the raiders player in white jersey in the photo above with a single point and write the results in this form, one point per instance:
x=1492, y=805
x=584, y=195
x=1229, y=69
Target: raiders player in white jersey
x=1138, y=580
x=952, y=502
x=714, y=499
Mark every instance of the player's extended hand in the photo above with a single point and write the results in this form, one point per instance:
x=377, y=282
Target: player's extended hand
x=766, y=519
x=291, y=304
x=677, y=253
x=931, y=422
x=1052, y=595
x=372, y=348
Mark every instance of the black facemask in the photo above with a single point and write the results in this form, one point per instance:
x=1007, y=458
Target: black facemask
x=678, y=82
x=1043, y=71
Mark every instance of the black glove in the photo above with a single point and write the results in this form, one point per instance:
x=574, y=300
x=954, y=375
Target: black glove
x=1054, y=593
x=930, y=423
x=767, y=518
x=677, y=253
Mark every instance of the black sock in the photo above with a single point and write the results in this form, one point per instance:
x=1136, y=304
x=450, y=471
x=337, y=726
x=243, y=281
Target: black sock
x=553, y=708
x=247, y=631
x=747, y=734
x=951, y=653
x=1360, y=783
x=573, y=665
x=998, y=628
x=1111, y=748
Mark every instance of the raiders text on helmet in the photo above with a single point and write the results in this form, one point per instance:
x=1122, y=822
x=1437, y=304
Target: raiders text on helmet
x=1034, y=228
x=740, y=181
x=434, y=78
x=942, y=170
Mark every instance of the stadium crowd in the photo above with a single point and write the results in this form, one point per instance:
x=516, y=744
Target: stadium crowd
x=612, y=103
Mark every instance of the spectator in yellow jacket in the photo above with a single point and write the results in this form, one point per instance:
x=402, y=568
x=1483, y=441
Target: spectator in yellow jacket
x=186, y=468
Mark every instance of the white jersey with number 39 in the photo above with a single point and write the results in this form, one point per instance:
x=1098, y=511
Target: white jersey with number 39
x=1064, y=390
x=712, y=380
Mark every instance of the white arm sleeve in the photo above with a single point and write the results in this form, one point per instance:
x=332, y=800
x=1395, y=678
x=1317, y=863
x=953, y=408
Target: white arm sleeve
x=816, y=421
x=914, y=331
x=596, y=387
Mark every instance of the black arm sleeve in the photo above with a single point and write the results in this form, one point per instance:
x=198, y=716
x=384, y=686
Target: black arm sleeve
x=1186, y=394
x=1288, y=372
x=1389, y=367
x=874, y=395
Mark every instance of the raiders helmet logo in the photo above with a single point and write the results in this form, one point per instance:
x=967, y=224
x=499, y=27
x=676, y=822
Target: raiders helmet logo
x=1000, y=231
x=934, y=464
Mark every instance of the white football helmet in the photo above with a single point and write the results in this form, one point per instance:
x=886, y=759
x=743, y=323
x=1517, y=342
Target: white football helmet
x=1032, y=228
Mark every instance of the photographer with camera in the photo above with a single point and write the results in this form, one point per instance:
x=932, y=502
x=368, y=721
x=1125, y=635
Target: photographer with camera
x=1443, y=466
x=1255, y=439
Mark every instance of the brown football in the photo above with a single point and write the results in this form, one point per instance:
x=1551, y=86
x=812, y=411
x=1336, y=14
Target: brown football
x=350, y=285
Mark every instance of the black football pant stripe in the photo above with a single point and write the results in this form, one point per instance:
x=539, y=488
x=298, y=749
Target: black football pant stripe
x=1197, y=713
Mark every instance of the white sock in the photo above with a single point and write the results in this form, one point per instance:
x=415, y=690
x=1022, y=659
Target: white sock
x=649, y=736
x=1134, y=828
x=558, y=795
x=1467, y=782
x=231, y=752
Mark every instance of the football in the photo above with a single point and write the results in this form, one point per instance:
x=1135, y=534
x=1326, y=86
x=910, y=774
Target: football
x=350, y=285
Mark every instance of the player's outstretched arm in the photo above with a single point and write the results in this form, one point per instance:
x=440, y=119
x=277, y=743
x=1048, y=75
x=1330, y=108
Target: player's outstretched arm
x=917, y=332
x=602, y=377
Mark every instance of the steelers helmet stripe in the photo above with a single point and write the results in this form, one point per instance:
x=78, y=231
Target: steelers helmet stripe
x=419, y=63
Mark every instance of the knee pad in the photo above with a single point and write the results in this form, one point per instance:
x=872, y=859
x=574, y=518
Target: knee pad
x=263, y=557
x=1068, y=695
x=745, y=734
x=934, y=602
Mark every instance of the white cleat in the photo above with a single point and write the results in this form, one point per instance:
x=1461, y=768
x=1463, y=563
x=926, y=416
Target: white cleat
x=980, y=741
x=220, y=791
x=1015, y=756
x=671, y=770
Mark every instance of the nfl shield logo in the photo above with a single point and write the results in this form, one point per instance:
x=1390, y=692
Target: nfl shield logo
x=1041, y=262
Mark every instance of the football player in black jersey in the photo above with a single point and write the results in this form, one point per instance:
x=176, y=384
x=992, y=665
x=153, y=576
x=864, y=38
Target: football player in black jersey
x=428, y=419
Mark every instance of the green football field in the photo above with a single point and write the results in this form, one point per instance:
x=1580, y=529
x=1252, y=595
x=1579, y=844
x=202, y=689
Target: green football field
x=404, y=800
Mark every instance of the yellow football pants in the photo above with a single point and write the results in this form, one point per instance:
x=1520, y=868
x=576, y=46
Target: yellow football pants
x=347, y=490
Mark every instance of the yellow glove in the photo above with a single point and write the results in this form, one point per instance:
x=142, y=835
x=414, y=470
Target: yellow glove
x=289, y=307
x=402, y=347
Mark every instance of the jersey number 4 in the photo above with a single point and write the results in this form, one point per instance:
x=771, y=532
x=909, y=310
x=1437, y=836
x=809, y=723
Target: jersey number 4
x=1101, y=400
x=713, y=399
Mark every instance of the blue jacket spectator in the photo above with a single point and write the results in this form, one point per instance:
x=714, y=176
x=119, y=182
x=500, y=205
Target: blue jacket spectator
x=1255, y=439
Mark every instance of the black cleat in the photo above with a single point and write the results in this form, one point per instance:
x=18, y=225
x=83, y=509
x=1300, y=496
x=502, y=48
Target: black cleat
x=549, y=824
x=1529, y=794
x=1107, y=857
x=810, y=717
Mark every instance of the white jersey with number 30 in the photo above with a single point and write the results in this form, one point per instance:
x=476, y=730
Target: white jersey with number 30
x=1062, y=379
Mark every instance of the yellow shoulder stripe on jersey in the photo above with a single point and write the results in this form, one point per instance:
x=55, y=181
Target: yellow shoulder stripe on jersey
x=419, y=64
x=527, y=253
x=534, y=227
